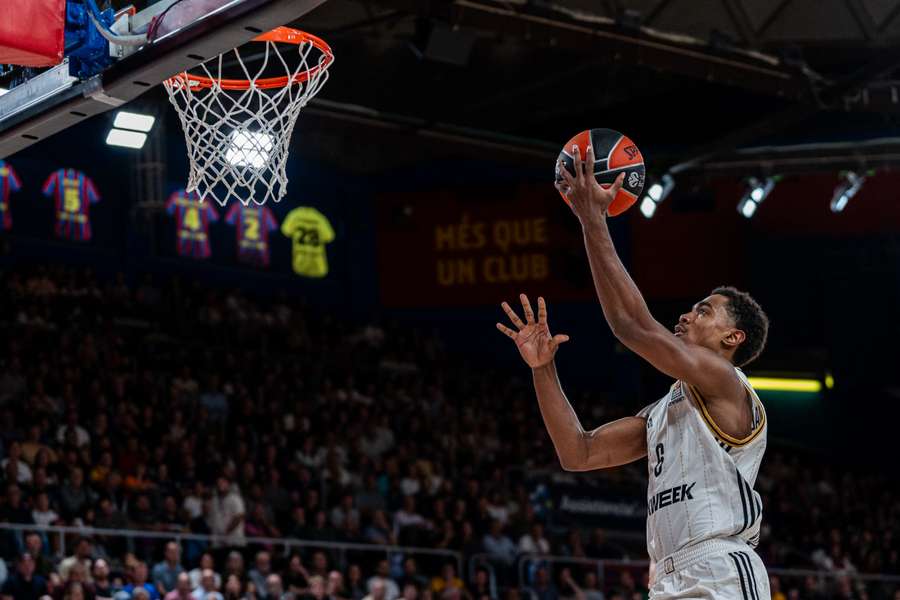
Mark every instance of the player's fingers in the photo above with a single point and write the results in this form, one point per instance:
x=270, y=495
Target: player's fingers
x=512, y=315
x=558, y=339
x=567, y=178
x=526, y=306
x=617, y=185
x=588, y=164
x=504, y=329
x=576, y=159
x=542, y=310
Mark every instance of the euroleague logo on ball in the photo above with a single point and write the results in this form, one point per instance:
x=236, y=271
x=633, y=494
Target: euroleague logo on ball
x=635, y=179
x=631, y=151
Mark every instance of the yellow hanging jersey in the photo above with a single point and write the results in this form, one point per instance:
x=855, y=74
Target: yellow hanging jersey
x=309, y=231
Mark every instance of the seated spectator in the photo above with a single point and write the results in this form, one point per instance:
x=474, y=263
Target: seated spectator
x=15, y=510
x=356, y=587
x=410, y=591
x=543, y=588
x=21, y=471
x=82, y=556
x=234, y=589
x=227, y=513
x=182, y=589
x=275, y=590
x=103, y=586
x=165, y=573
x=408, y=523
x=74, y=496
x=41, y=513
x=498, y=545
x=24, y=584
x=447, y=580
x=208, y=589
x=412, y=576
x=206, y=564
x=377, y=590
x=345, y=510
x=379, y=530
x=481, y=585
x=234, y=565
x=262, y=568
x=296, y=579
x=534, y=542
x=383, y=576
x=71, y=432
x=139, y=580
x=34, y=545
x=335, y=586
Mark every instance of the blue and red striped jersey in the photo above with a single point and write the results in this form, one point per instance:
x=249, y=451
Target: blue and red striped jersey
x=9, y=182
x=74, y=193
x=192, y=219
x=253, y=224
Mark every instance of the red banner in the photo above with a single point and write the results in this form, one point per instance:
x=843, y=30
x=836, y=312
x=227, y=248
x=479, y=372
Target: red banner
x=466, y=247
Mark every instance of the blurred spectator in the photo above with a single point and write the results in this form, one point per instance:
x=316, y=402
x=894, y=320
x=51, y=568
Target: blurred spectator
x=275, y=590
x=447, y=581
x=206, y=564
x=534, y=541
x=262, y=568
x=498, y=545
x=103, y=586
x=24, y=584
x=226, y=515
x=165, y=573
x=208, y=588
x=182, y=589
x=383, y=578
x=15, y=468
x=139, y=580
x=82, y=556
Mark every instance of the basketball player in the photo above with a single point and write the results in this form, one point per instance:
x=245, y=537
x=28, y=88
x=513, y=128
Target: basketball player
x=704, y=440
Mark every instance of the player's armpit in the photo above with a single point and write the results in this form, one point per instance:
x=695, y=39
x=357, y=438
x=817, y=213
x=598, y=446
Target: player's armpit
x=679, y=359
x=617, y=443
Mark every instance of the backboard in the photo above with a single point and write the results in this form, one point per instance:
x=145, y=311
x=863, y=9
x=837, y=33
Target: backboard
x=190, y=32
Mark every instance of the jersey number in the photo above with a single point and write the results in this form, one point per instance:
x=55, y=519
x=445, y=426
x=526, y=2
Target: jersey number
x=307, y=237
x=71, y=200
x=192, y=219
x=251, y=232
x=660, y=449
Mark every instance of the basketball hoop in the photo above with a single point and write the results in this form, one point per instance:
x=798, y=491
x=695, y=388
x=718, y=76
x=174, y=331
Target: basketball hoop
x=238, y=130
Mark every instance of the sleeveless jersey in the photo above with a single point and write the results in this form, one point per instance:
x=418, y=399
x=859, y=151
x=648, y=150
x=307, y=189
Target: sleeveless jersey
x=701, y=478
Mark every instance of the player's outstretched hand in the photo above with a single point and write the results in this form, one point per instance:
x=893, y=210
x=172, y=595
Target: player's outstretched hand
x=588, y=199
x=532, y=338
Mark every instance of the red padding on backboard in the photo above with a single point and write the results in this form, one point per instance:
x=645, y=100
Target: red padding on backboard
x=32, y=32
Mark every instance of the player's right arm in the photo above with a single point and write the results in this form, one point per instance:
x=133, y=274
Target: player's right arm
x=616, y=443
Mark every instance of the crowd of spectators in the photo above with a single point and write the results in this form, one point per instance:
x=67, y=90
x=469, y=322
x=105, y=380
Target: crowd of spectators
x=182, y=409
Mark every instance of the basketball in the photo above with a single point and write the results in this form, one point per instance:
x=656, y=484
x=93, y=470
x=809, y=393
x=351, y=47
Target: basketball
x=614, y=153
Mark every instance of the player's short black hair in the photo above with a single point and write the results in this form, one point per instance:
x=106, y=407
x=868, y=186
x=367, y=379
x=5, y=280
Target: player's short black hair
x=750, y=318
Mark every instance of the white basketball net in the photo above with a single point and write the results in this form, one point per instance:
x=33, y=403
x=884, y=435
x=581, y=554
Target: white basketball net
x=238, y=139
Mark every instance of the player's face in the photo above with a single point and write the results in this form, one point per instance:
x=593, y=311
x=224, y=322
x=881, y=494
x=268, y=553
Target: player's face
x=707, y=324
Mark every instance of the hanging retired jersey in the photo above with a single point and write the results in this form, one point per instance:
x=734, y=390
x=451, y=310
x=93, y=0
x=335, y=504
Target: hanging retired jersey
x=74, y=193
x=9, y=182
x=309, y=231
x=252, y=225
x=701, y=478
x=192, y=219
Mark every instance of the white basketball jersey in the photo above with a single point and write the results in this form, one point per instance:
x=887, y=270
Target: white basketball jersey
x=701, y=478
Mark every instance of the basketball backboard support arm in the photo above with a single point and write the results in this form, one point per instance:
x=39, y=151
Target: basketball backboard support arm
x=29, y=114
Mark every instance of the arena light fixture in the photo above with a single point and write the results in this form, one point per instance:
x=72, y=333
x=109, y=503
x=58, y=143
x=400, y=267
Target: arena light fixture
x=655, y=194
x=757, y=191
x=126, y=139
x=134, y=121
x=781, y=384
x=249, y=148
x=846, y=190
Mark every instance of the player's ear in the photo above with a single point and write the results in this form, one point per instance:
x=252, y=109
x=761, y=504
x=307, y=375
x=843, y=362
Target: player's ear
x=734, y=338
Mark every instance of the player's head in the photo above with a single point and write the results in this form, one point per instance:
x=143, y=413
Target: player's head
x=729, y=322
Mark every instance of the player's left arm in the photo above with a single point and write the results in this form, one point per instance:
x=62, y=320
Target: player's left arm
x=623, y=305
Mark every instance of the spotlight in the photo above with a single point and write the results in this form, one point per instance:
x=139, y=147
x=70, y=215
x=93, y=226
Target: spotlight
x=656, y=193
x=846, y=190
x=126, y=139
x=134, y=121
x=249, y=148
x=755, y=194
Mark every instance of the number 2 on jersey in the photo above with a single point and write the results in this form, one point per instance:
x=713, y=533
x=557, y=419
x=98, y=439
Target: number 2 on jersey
x=660, y=450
